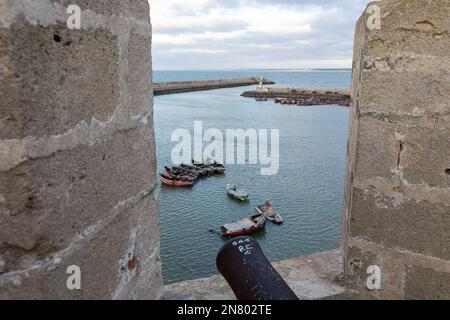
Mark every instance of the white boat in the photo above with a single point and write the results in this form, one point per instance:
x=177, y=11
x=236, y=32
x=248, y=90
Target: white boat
x=236, y=193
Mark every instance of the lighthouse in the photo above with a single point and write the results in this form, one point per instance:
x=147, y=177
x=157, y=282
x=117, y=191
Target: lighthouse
x=261, y=88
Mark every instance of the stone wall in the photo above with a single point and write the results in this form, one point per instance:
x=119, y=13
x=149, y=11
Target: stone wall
x=397, y=202
x=77, y=151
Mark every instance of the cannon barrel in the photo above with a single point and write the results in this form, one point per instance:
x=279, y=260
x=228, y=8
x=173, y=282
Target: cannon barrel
x=248, y=272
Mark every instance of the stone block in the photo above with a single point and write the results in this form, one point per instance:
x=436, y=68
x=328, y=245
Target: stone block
x=405, y=93
x=425, y=158
x=400, y=223
x=377, y=148
x=426, y=284
x=140, y=74
x=138, y=9
x=416, y=16
x=47, y=202
x=111, y=262
x=388, y=147
x=53, y=78
x=355, y=269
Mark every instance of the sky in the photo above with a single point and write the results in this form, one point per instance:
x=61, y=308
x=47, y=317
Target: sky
x=248, y=34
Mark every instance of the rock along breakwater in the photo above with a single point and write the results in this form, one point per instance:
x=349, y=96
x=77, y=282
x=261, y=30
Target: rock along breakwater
x=301, y=96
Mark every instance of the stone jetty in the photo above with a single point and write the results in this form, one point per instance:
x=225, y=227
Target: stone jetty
x=163, y=88
x=301, y=96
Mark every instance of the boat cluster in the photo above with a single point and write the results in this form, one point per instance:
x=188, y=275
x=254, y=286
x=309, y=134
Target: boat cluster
x=187, y=175
x=249, y=224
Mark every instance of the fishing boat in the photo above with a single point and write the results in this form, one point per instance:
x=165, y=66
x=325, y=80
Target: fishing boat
x=177, y=182
x=271, y=214
x=210, y=163
x=236, y=193
x=203, y=170
x=180, y=177
x=183, y=174
x=186, y=175
x=244, y=226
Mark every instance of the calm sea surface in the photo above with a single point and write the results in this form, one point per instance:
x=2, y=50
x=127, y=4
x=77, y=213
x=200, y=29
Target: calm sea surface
x=307, y=191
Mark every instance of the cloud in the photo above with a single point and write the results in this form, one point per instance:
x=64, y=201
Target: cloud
x=231, y=34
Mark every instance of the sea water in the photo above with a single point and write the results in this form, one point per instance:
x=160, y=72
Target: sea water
x=307, y=191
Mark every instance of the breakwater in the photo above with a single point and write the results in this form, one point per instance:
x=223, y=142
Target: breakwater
x=163, y=88
x=301, y=96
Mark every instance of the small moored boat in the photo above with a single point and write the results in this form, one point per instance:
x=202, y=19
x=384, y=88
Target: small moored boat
x=177, y=182
x=210, y=164
x=181, y=174
x=237, y=194
x=244, y=226
x=270, y=213
x=202, y=170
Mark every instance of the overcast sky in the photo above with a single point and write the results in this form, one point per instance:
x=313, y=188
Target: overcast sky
x=248, y=34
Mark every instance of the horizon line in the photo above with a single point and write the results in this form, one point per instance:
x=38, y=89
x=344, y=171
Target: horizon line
x=251, y=69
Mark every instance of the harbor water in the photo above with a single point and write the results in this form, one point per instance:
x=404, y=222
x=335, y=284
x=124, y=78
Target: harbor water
x=307, y=191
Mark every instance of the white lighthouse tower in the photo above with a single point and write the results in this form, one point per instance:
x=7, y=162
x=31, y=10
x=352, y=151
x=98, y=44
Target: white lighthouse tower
x=261, y=88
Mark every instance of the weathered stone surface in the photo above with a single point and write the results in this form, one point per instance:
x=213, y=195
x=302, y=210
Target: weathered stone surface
x=63, y=195
x=139, y=82
x=78, y=165
x=408, y=69
x=378, y=149
x=425, y=158
x=412, y=93
x=410, y=43
x=421, y=283
x=418, y=153
x=55, y=78
x=112, y=261
x=355, y=269
x=140, y=269
x=409, y=22
x=138, y=9
x=78, y=169
x=149, y=285
x=401, y=223
x=352, y=143
x=396, y=211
